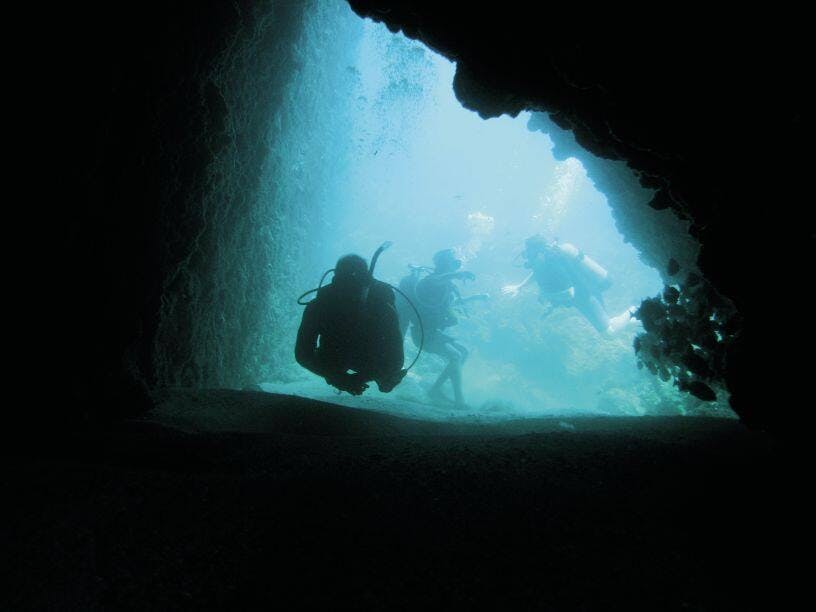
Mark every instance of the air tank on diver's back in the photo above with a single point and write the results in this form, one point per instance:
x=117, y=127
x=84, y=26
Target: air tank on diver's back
x=593, y=272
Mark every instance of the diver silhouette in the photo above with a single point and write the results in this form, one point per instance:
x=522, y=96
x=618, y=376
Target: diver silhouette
x=568, y=277
x=350, y=333
x=435, y=296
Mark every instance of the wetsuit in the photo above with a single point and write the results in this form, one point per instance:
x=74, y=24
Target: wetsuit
x=556, y=271
x=338, y=334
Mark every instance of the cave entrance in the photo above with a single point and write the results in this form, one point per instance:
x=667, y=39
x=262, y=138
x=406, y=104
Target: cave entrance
x=397, y=158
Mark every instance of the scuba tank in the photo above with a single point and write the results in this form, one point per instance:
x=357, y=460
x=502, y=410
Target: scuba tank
x=435, y=309
x=407, y=286
x=595, y=275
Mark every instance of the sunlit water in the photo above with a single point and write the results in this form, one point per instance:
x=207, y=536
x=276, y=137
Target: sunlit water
x=427, y=174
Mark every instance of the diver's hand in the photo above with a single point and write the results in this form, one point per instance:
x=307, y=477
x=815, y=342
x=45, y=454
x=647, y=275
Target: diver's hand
x=387, y=383
x=351, y=383
x=469, y=276
x=355, y=384
x=511, y=290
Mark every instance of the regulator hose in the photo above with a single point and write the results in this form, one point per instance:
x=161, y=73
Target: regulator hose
x=376, y=256
x=419, y=320
x=315, y=290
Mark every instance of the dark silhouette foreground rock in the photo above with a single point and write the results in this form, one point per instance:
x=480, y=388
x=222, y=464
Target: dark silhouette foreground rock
x=264, y=499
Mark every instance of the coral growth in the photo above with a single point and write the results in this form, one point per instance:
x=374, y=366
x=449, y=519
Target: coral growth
x=688, y=330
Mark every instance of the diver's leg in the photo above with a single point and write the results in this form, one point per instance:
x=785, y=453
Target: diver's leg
x=434, y=344
x=622, y=320
x=456, y=373
x=436, y=388
x=452, y=371
x=456, y=380
x=594, y=312
x=463, y=352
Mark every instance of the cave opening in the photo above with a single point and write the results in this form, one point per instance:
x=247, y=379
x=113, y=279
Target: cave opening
x=218, y=162
x=372, y=145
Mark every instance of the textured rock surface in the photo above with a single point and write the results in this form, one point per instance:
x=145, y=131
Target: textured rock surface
x=165, y=138
x=229, y=295
x=705, y=109
x=267, y=501
x=706, y=112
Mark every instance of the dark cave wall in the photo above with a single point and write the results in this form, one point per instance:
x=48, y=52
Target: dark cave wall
x=148, y=99
x=198, y=162
x=689, y=327
x=705, y=109
x=220, y=261
x=228, y=313
x=660, y=235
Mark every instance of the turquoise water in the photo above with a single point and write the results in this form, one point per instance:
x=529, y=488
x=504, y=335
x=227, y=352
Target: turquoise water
x=388, y=153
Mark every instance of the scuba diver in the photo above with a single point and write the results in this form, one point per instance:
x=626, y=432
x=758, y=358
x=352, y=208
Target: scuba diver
x=568, y=277
x=350, y=332
x=435, y=296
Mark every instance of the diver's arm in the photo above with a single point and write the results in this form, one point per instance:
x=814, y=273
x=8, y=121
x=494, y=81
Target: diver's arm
x=392, y=355
x=512, y=290
x=307, y=356
x=449, y=276
x=394, y=349
x=473, y=298
x=462, y=301
x=306, y=345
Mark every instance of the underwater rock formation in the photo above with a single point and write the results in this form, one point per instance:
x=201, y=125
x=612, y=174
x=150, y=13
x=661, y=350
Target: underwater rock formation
x=708, y=115
x=659, y=234
x=150, y=227
x=703, y=112
x=228, y=298
x=687, y=334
